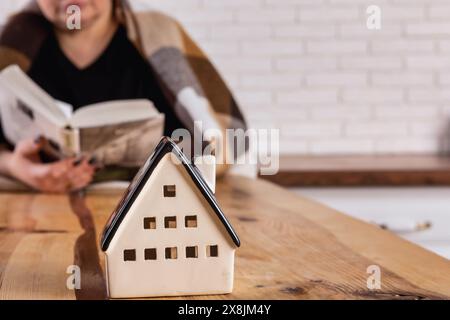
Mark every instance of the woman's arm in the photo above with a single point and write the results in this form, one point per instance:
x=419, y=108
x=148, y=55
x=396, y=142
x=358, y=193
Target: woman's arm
x=24, y=165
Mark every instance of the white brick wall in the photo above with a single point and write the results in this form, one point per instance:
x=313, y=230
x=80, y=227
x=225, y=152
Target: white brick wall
x=313, y=69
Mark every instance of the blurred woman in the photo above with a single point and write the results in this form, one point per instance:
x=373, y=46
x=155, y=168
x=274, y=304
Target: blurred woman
x=115, y=55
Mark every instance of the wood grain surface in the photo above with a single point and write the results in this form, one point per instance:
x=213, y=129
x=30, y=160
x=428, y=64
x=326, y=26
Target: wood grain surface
x=292, y=248
x=391, y=170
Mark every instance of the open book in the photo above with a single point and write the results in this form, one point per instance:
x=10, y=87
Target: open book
x=116, y=132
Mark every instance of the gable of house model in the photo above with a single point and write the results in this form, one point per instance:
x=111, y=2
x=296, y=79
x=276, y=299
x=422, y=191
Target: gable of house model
x=171, y=214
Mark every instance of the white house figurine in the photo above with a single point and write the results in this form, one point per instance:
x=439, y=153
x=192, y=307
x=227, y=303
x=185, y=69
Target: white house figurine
x=168, y=236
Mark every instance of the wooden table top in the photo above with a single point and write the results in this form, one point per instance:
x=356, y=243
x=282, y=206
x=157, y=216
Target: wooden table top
x=378, y=170
x=292, y=248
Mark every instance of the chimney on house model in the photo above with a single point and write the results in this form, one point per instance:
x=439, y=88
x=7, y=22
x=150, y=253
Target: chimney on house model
x=207, y=167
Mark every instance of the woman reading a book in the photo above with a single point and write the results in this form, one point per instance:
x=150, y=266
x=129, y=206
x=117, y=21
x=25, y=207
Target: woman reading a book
x=113, y=54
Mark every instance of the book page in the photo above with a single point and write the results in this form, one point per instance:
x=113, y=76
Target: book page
x=113, y=112
x=125, y=144
x=27, y=91
x=21, y=122
x=65, y=108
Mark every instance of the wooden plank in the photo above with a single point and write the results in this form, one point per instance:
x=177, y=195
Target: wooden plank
x=339, y=236
x=402, y=170
x=37, y=238
x=292, y=248
x=37, y=267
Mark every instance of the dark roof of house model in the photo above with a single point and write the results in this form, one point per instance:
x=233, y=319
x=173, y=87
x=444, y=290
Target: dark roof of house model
x=166, y=145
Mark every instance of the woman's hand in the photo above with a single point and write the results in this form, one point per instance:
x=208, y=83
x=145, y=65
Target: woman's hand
x=57, y=177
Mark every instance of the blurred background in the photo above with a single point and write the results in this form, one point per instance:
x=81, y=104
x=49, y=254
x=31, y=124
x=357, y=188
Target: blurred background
x=312, y=69
x=345, y=98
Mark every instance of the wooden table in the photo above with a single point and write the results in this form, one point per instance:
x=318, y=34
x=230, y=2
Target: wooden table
x=378, y=170
x=292, y=248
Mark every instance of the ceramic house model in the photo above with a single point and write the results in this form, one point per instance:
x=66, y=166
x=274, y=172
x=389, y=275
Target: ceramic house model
x=168, y=236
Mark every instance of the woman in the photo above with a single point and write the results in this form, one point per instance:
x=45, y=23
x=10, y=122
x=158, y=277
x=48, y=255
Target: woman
x=115, y=55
